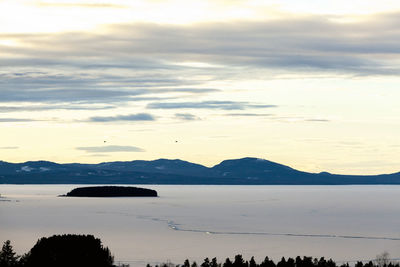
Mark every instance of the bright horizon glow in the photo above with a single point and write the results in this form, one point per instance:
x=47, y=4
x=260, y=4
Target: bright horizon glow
x=55, y=16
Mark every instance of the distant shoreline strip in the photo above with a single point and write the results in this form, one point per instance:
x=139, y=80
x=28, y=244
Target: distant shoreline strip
x=175, y=227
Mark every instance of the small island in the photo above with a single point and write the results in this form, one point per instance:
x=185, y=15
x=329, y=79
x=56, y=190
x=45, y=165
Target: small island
x=111, y=191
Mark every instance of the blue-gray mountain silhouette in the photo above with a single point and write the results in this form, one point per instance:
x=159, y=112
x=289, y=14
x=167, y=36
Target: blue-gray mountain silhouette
x=245, y=171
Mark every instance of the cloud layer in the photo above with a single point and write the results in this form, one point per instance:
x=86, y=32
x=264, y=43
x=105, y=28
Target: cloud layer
x=301, y=43
x=224, y=105
x=130, y=117
x=109, y=149
x=143, y=61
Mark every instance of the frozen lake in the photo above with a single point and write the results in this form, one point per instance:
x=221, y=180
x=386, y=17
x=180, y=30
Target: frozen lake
x=344, y=223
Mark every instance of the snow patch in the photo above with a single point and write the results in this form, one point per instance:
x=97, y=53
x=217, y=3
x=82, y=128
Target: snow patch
x=26, y=168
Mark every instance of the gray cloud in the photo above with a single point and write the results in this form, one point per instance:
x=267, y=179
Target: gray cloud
x=44, y=87
x=318, y=120
x=52, y=107
x=16, y=120
x=64, y=95
x=299, y=43
x=297, y=119
x=186, y=116
x=108, y=149
x=143, y=61
x=130, y=117
x=248, y=115
x=224, y=105
x=9, y=147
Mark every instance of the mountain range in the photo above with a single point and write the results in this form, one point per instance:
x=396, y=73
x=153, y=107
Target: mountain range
x=245, y=171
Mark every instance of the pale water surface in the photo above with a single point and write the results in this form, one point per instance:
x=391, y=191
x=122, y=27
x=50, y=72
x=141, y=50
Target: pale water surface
x=341, y=222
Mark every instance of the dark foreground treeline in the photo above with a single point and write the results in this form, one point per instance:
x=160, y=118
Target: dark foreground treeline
x=59, y=251
x=87, y=251
x=381, y=261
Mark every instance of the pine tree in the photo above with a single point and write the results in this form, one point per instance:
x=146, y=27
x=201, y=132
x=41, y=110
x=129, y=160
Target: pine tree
x=227, y=263
x=252, y=262
x=7, y=255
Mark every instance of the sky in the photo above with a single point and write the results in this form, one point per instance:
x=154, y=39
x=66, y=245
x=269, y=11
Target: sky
x=312, y=84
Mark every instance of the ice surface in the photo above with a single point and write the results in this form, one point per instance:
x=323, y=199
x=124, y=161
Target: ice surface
x=341, y=222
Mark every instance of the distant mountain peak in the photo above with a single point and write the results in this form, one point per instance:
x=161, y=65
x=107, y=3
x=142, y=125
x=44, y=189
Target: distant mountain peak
x=250, y=160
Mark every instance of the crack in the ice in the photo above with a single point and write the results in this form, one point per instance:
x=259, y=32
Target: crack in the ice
x=176, y=227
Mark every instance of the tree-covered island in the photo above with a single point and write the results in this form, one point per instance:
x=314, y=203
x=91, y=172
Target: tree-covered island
x=111, y=191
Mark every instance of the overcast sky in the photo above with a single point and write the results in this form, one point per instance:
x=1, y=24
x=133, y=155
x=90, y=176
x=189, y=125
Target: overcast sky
x=313, y=84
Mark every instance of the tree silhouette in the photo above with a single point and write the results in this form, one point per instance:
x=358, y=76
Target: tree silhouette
x=252, y=262
x=382, y=259
x=282, y=263
x=214, y=263
x=267, y=263
x=206, y=263
x=69, y=250
x=227, y=263
x=86, y=251
x=239, y=262
x=8, y=257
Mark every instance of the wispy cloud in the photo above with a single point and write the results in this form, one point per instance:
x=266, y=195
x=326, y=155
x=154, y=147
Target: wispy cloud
x=293, y=119
x=109, y=149
x=93, y=88
x=249, y=114
x=16, y=120
x=318, y=120
x=186, y=116
x=54, y=107
x=79, y=5
x=98, y=155
x=224, y=105
x=130, y=117
x=9, y=147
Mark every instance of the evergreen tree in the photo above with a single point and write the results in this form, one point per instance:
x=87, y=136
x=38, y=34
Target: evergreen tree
x=7, y=255
x=322, y=262
x=227, y=263
x=252, y=262
x=214, y=262
x=206, y=263
x=239, y=262
x=282, y=263
x=290, y=262
x=307, y=261
x=267, y=263
x=330, y=263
